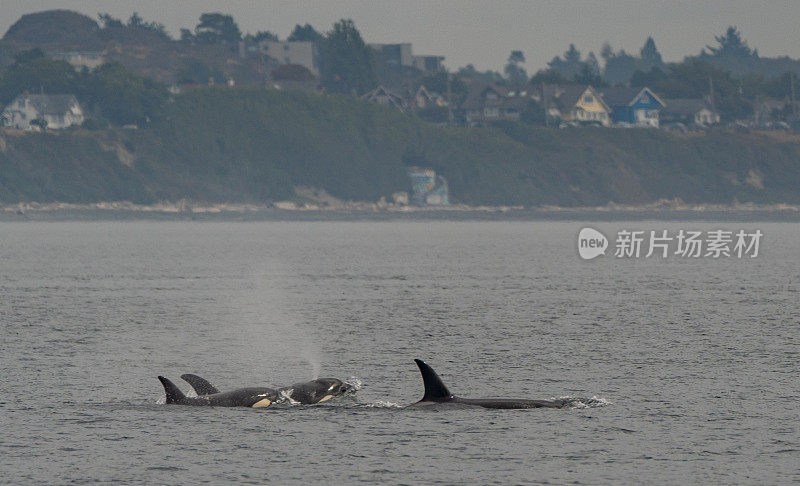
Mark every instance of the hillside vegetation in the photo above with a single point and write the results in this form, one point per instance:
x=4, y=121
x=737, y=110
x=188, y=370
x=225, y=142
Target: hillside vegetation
x=222, y=145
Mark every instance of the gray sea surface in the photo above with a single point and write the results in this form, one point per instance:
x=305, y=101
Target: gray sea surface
x=683, y=370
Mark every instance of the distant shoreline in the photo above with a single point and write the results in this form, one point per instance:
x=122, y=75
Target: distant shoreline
x=285, y=211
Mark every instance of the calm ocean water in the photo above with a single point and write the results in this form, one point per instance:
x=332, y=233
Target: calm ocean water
x=693, y=365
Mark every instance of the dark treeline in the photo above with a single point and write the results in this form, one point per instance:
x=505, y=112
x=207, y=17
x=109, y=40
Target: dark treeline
x=739, y=75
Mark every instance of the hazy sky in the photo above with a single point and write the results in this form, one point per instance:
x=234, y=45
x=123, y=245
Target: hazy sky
x=483, y=32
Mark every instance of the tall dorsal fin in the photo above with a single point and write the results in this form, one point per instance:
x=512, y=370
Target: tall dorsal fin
x=200, y=385
x=435, y=389
x=174, y=393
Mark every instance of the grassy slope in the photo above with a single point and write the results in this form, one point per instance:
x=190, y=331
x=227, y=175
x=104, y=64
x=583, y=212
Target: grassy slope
x=240, y=145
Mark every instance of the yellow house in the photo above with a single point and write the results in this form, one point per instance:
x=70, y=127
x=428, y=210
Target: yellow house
x=580, y=104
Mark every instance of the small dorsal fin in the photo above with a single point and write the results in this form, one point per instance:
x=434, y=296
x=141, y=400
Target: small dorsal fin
x=435, y=389
x=200, y=385
x=174, y=394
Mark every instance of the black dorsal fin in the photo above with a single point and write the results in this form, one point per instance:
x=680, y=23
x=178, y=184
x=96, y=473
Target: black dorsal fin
x=435, y=389
x=174, y=394
x=200, y=385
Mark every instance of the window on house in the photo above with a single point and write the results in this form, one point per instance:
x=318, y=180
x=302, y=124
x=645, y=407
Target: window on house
x=588, y=98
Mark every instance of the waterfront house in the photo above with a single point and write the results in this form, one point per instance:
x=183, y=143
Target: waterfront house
x=573, y=103
x=634, y=106
x=488, y=103
x=689, y=111
x=34, y=112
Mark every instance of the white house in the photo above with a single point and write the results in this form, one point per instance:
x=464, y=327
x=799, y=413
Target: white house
x=30, y=112
x=689, y=110
x=81, y=59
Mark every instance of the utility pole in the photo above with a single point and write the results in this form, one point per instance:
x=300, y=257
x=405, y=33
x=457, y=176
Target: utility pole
x=450, y=117
x=711, y=94
x=544, y=105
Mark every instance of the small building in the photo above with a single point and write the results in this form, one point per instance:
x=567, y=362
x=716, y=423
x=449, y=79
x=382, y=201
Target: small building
x=35, y=112
x=423, y=99
x=384, y=96
x=429, y=64
x=395, y=55
x=573, y=103
x=303, y=53
x=688, y=111
x=488, y=103
x=427, y=188
x=81, y=59
x=634, y=106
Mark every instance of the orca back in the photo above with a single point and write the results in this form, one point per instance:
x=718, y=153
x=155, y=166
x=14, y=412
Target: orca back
x=174, y=394
x=435, y=389
x=200, y=385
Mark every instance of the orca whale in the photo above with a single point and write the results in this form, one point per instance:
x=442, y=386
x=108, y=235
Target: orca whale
x=307, y=392
x=256, y=397
x=316, y=391
x=436, y=393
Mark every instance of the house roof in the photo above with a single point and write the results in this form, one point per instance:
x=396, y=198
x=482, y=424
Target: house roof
x=50, y=104
x=509, y=99
x=625, y=96
x=383, y=95
x=684, y=106
x=566, y=96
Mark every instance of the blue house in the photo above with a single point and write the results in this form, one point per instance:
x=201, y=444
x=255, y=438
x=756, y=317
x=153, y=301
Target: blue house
x=634, y=106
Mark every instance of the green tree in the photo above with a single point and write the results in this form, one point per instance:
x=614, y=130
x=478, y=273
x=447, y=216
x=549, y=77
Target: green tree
x=25, y=56
x=569, y=65
x=195, y=71
x=533, y=114
x=187, y=35
x=110, y=22
x=731, y=44
x=650, y=57
x=349, y=65
x=488, y=76
x=138, y=23
x=693, y=79
x=589, y=73
x=39, y=74
x=619, y=66
x=516, y=74
x=548, y=76
x=124, y=97
x=263, y=35
x=217, y=28
x=650, y=78
x=305, y=33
